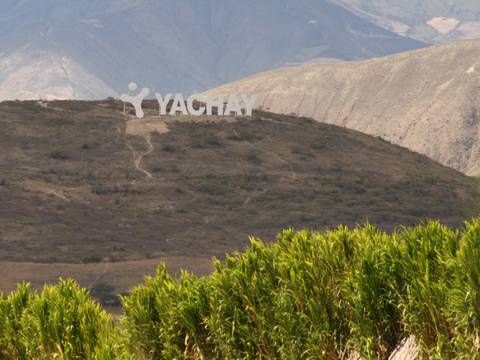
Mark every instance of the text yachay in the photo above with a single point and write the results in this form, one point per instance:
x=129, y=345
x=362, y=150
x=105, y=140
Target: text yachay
x=232, y=106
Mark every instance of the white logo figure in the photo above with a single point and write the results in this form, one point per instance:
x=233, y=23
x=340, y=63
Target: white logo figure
x=136, y=101
x=233, y=106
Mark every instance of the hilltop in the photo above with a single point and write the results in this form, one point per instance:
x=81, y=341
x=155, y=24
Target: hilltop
x=80, y=181
x=92, y=193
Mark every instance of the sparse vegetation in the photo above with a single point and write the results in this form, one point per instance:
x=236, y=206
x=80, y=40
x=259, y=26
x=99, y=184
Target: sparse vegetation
x=91, y=259
x=82, y=179
x=208, y=141
x=12, y=186
x=167, y=168
x=253, y=157
x=59, y=155
x=60, y=122
x=309, y=295
x=123, y=190
x=27, y=222
x=168, y=148
x=106, y=294
x=88, y=146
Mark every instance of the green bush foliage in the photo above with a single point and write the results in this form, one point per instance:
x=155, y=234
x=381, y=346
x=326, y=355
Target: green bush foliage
x=309, y=295
x=61, y=322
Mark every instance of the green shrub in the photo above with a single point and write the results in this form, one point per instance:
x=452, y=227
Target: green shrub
x=11, y=312
x=59, y=155
x=320, y=296
x=464, y=301
x=427, y=257
x=164, y=318
x=308, y=295
x=372, y=292
x=60, y=322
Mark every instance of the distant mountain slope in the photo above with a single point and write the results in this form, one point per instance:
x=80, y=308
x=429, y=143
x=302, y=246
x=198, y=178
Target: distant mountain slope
x=174, y=45
x=431, y=20
x=36, y=74
x=82, y=182
x=427, y=100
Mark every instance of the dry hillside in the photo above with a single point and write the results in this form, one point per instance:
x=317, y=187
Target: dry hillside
x=426, y=100
x=91, y=193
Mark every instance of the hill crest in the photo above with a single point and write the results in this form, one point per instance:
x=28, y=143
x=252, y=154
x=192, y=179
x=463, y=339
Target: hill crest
x=426, y=100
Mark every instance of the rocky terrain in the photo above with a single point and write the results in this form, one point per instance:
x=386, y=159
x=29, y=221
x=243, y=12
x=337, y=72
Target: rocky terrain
x=427, y=100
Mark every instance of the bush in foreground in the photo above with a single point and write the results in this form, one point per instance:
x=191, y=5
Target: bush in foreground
x=60, y=322
x=307, y=296
x=319, y=296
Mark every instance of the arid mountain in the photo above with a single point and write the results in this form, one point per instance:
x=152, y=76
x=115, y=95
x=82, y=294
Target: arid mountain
x=95, y=49
x=33, y=73
x=83, y=182
x=90, y=193
x=428, y=20
x=427, y=100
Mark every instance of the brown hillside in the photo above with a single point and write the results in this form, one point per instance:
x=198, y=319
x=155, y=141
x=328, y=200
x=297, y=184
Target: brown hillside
x=81, y=182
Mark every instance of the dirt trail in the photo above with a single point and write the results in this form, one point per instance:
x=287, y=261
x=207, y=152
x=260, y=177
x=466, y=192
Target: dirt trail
x=253, y=195
x=101, y=275
x=45, y=105
x=157, y=124
x=138, y=156
x=283, y=161
x=46, y=188
x=144, y=128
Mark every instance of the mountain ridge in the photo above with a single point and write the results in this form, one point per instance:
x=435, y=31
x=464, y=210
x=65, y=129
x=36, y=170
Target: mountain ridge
x=185, y=46
x=432, y=21
x=426, y=100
